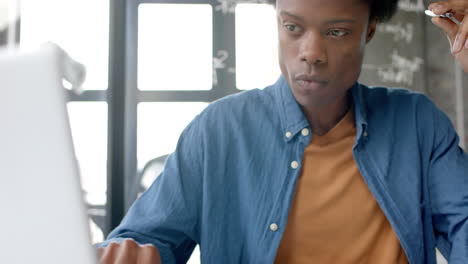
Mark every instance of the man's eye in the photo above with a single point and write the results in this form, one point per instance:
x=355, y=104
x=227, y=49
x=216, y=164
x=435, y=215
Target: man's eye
x=291, y=27
x=337, y=33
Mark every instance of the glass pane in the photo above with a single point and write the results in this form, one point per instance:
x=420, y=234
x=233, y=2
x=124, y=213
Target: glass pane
x=89, y=130
x=88, y=121
x=256, y=46
x=160, y=125
x=79, y=27
x=175, y=47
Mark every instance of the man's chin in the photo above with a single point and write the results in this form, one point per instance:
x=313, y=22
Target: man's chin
x=310, y=99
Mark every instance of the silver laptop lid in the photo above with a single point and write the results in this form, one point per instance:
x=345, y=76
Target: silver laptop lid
x=42, y=216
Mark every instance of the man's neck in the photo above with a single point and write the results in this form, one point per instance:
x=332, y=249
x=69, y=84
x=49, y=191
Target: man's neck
x=322, y=119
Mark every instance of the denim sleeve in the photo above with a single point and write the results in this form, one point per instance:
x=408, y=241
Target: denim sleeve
x=167, y=214
x=448, y=185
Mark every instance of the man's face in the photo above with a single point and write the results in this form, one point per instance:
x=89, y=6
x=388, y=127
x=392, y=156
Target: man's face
x=321, y=47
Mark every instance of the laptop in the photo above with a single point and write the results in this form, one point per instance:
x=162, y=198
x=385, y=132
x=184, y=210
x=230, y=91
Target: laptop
x=42, y=214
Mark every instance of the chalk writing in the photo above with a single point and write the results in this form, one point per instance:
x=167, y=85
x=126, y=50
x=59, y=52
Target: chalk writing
x=399, y=31
x=218, y=64
x=411, y=6
x=401, y=70
x=226, y=6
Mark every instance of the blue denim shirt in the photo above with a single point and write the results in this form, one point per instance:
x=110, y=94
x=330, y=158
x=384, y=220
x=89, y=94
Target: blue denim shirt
x=231, y=178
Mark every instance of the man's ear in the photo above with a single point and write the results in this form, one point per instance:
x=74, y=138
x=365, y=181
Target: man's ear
x=371, y=29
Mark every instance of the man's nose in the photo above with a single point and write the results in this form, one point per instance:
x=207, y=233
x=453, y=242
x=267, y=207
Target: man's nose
x=313, y=49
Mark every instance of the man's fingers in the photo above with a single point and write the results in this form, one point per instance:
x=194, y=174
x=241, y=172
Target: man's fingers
x=439, y=8
x=127, y=253
x=447, y=26
x=457, y=6
x=107, y=255
x=99, y=252
x=461, y=37
x=149, y=254
x=458, y=35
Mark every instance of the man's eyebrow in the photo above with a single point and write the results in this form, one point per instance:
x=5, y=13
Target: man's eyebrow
x=330, y=22
x=286, y=13
x=340, y=20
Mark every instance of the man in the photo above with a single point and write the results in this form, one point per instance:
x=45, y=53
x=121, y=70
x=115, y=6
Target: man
x=316, y=168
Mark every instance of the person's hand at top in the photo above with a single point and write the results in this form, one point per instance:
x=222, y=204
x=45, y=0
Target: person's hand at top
x=457, y=35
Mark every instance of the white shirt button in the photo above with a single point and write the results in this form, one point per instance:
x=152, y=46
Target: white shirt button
x=305, y=132
x=294, y=164
x=288, y=134
x=273, y=227
x=365, y=133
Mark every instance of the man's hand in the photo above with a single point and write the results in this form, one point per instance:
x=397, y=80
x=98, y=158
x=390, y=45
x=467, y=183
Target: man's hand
x=128, y=252
x=457, y=35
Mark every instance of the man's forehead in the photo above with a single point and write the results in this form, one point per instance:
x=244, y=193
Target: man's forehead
x=335, y=3
x=337, y=9
x=331, y=20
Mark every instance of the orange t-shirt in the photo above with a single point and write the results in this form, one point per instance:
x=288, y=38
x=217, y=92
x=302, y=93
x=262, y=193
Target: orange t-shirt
x=334, y=218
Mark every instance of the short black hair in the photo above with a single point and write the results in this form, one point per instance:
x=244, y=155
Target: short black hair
x=383, y=10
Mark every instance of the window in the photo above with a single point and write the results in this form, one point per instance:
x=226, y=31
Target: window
x=256, y=46
x=82, y=29
x=88, y=121
x=160, y=125
x=175, y=54
x=175, y=47
x=160, y=80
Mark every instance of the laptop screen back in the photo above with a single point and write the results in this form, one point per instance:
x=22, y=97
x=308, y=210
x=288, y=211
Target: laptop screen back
x=42, y=216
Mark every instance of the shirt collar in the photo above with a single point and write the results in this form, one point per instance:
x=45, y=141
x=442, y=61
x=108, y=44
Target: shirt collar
x=360, y=109
x=293, y=119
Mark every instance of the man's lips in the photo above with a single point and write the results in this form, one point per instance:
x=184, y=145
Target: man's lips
x=310, y=78
x=310, y=81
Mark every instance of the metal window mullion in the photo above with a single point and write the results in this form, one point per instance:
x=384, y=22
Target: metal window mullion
x=6, y=33
x=224, y=40
x=119, y=152
x=87, y=96
x=131, y=102
x=459, y=104
x=174, y=96
x=172, y=1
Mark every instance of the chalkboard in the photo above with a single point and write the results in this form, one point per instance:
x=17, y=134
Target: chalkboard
x=395, y=56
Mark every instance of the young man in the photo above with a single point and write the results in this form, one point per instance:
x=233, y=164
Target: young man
x=316, y=168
